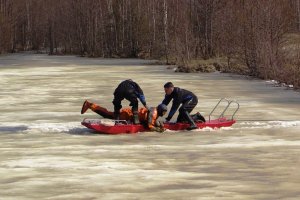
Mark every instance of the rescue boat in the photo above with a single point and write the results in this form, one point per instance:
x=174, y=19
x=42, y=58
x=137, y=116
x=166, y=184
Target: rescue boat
x=108, y=126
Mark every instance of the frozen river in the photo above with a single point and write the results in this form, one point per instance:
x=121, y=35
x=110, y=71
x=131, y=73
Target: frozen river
x=45, y=153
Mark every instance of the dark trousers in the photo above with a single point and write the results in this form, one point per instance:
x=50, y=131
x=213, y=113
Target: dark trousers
x=119, y=97
x=187, y=106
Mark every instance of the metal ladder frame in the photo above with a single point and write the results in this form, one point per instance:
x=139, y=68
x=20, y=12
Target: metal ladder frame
x=229, y=102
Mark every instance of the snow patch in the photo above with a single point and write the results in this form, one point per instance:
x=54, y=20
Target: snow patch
x=275, y=83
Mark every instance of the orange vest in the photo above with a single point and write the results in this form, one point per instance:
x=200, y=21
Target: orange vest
x=126, y=114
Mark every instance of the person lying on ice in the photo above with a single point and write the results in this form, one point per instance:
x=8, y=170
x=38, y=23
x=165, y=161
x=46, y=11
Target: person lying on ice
x=131, y=91
x=188, y=101
x=146, y=117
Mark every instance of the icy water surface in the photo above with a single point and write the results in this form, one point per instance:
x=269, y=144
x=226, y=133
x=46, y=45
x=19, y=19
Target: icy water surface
x=45, y=153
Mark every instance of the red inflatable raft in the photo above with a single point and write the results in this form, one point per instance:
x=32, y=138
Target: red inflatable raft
x=109, y=126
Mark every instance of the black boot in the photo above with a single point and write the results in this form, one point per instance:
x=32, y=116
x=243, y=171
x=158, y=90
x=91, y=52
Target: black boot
x=117, y=116
x=136, y=118
x=135, y=115
x=190, y=120
x=198, y=117
x=195, y=118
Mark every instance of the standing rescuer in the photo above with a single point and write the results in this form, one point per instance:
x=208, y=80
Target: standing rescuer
x=180, y=96
x=131, y=91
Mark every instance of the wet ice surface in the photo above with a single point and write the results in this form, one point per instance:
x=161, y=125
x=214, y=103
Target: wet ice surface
x=46, y=154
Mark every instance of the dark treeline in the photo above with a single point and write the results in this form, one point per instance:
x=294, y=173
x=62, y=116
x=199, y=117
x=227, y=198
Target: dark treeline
x=259, y=35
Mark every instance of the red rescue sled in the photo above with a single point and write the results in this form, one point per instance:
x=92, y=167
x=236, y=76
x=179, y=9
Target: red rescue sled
x=109, y=127
x=119, y=127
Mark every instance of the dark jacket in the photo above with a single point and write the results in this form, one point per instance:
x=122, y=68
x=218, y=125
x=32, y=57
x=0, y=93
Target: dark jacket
x=179, y=96
x=129, y=89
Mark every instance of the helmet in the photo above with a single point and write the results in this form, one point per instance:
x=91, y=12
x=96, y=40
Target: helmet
x=161, y=108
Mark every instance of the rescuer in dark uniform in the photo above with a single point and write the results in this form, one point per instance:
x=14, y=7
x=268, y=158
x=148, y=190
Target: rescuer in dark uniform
x=131, y=91
x=188, y=101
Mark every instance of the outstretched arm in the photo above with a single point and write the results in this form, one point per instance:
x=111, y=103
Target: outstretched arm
x=167, y=100
x=140, y=95
x=173, y=110
x=153, y=122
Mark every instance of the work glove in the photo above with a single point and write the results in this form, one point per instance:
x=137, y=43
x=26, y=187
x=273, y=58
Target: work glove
x=158, y=129
x=161, y=129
